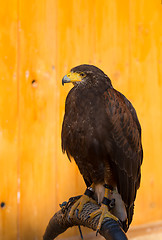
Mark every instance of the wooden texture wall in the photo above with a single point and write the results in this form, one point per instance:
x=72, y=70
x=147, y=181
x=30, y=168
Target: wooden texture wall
x=40, y=41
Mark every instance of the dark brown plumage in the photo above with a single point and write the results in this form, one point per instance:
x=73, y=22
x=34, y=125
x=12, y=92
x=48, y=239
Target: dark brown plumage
x=102, y=133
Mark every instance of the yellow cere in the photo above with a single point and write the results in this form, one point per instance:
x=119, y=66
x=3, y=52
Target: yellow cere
x=74, y=77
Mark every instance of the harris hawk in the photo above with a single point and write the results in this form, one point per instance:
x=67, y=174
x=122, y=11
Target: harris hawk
x=102, y=133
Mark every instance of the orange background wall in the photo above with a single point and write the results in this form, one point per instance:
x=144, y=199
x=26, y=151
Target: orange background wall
x=42, y=40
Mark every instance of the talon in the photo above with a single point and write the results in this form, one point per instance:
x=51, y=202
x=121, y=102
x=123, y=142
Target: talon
x=97, y=232
x=77, y=211
x=87, y=217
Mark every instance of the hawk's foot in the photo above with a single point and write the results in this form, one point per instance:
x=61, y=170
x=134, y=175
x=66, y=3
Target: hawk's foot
x=78, y=205
x=103, y=210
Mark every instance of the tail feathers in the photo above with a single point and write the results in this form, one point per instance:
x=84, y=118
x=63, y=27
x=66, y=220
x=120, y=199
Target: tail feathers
x=130, y=212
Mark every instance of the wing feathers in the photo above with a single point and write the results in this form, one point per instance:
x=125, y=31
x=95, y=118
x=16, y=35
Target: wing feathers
x=127, y=154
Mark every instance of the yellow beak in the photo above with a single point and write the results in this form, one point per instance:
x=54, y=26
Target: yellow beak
x=71, y=77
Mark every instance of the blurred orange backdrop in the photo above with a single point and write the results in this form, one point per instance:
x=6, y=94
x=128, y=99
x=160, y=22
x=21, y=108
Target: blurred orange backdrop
x=40, y=41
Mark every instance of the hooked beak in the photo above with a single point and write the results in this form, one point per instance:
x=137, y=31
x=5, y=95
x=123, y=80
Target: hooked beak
x=66, y=79
x=72, y=77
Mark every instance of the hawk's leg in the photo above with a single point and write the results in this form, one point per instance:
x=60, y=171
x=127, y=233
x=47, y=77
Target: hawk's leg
x=104, y=210
x=86, y=197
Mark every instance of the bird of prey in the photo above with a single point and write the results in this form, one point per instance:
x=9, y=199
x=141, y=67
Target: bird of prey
x=102, y=133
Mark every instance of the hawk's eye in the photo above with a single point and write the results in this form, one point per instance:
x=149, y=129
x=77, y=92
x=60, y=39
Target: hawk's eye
x=82, y=74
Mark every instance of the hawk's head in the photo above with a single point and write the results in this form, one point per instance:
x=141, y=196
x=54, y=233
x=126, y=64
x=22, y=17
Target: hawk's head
x=87, y=75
